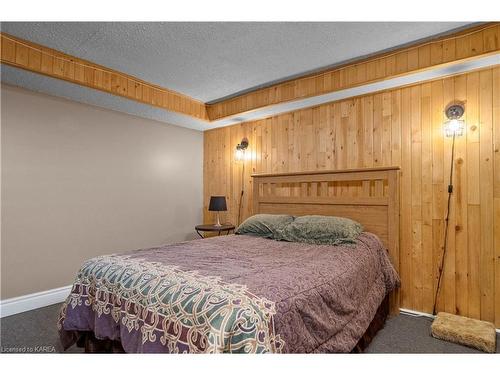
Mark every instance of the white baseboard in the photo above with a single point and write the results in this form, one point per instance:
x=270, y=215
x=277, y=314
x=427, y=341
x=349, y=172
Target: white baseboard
x=416, y=313
x=33, y=301
x=427, y=315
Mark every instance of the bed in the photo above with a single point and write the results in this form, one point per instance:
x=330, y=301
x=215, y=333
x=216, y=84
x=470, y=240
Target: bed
x=246, y=294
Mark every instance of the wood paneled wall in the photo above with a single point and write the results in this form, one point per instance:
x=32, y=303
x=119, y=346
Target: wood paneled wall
x=469, y=43
x=47, y=61
x=400, y=127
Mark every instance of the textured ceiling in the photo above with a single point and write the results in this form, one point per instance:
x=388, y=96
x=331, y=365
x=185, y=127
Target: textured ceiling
x=209, y=61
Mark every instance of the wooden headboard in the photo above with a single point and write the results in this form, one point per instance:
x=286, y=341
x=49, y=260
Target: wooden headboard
x=370, y=196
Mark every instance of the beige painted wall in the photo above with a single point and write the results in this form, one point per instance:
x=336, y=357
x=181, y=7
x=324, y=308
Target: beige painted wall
x=80, y=181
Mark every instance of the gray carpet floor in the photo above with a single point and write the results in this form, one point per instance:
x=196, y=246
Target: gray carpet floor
x=35, y=332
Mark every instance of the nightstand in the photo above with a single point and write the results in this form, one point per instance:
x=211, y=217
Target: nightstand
x=214, y=228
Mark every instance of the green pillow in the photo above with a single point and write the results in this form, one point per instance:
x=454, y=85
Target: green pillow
x=264, y=225
x=321, y=230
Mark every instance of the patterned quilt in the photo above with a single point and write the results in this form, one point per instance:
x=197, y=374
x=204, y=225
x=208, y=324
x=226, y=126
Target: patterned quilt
x=231, y=294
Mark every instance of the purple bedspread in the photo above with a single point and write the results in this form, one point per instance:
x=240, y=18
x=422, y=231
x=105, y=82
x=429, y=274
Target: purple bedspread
x=232, y=293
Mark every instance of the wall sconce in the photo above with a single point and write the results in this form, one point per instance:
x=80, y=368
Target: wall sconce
x=240, y=150
x=454, y=126
x=239, y=155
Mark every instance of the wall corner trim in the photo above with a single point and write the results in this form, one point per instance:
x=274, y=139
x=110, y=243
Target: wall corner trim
x=33, y=301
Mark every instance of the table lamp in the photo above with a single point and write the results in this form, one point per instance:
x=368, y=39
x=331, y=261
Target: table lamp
x=217, y=203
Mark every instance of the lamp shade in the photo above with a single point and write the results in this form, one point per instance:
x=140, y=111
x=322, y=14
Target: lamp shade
x=454, y=127
x=217, y=203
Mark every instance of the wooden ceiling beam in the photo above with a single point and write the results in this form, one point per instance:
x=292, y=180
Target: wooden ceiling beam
x=469, y=43
x=47, y=61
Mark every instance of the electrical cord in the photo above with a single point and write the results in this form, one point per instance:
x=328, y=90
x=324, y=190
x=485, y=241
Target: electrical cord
x=242, y=192
x=447, y=220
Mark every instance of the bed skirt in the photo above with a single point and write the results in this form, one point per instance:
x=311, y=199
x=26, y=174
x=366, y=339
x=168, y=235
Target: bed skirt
x=92, y=344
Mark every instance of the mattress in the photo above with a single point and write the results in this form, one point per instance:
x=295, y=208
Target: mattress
x=231, y=294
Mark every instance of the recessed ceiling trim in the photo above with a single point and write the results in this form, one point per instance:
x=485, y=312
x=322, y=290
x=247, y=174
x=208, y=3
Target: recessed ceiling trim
x=407, y=80
x=470, y=43
x=28, y=80
x=440, y=53
x=36, y=82
x=42, y=60
x=356, y=60
x=476, y=48
x=211, y=60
